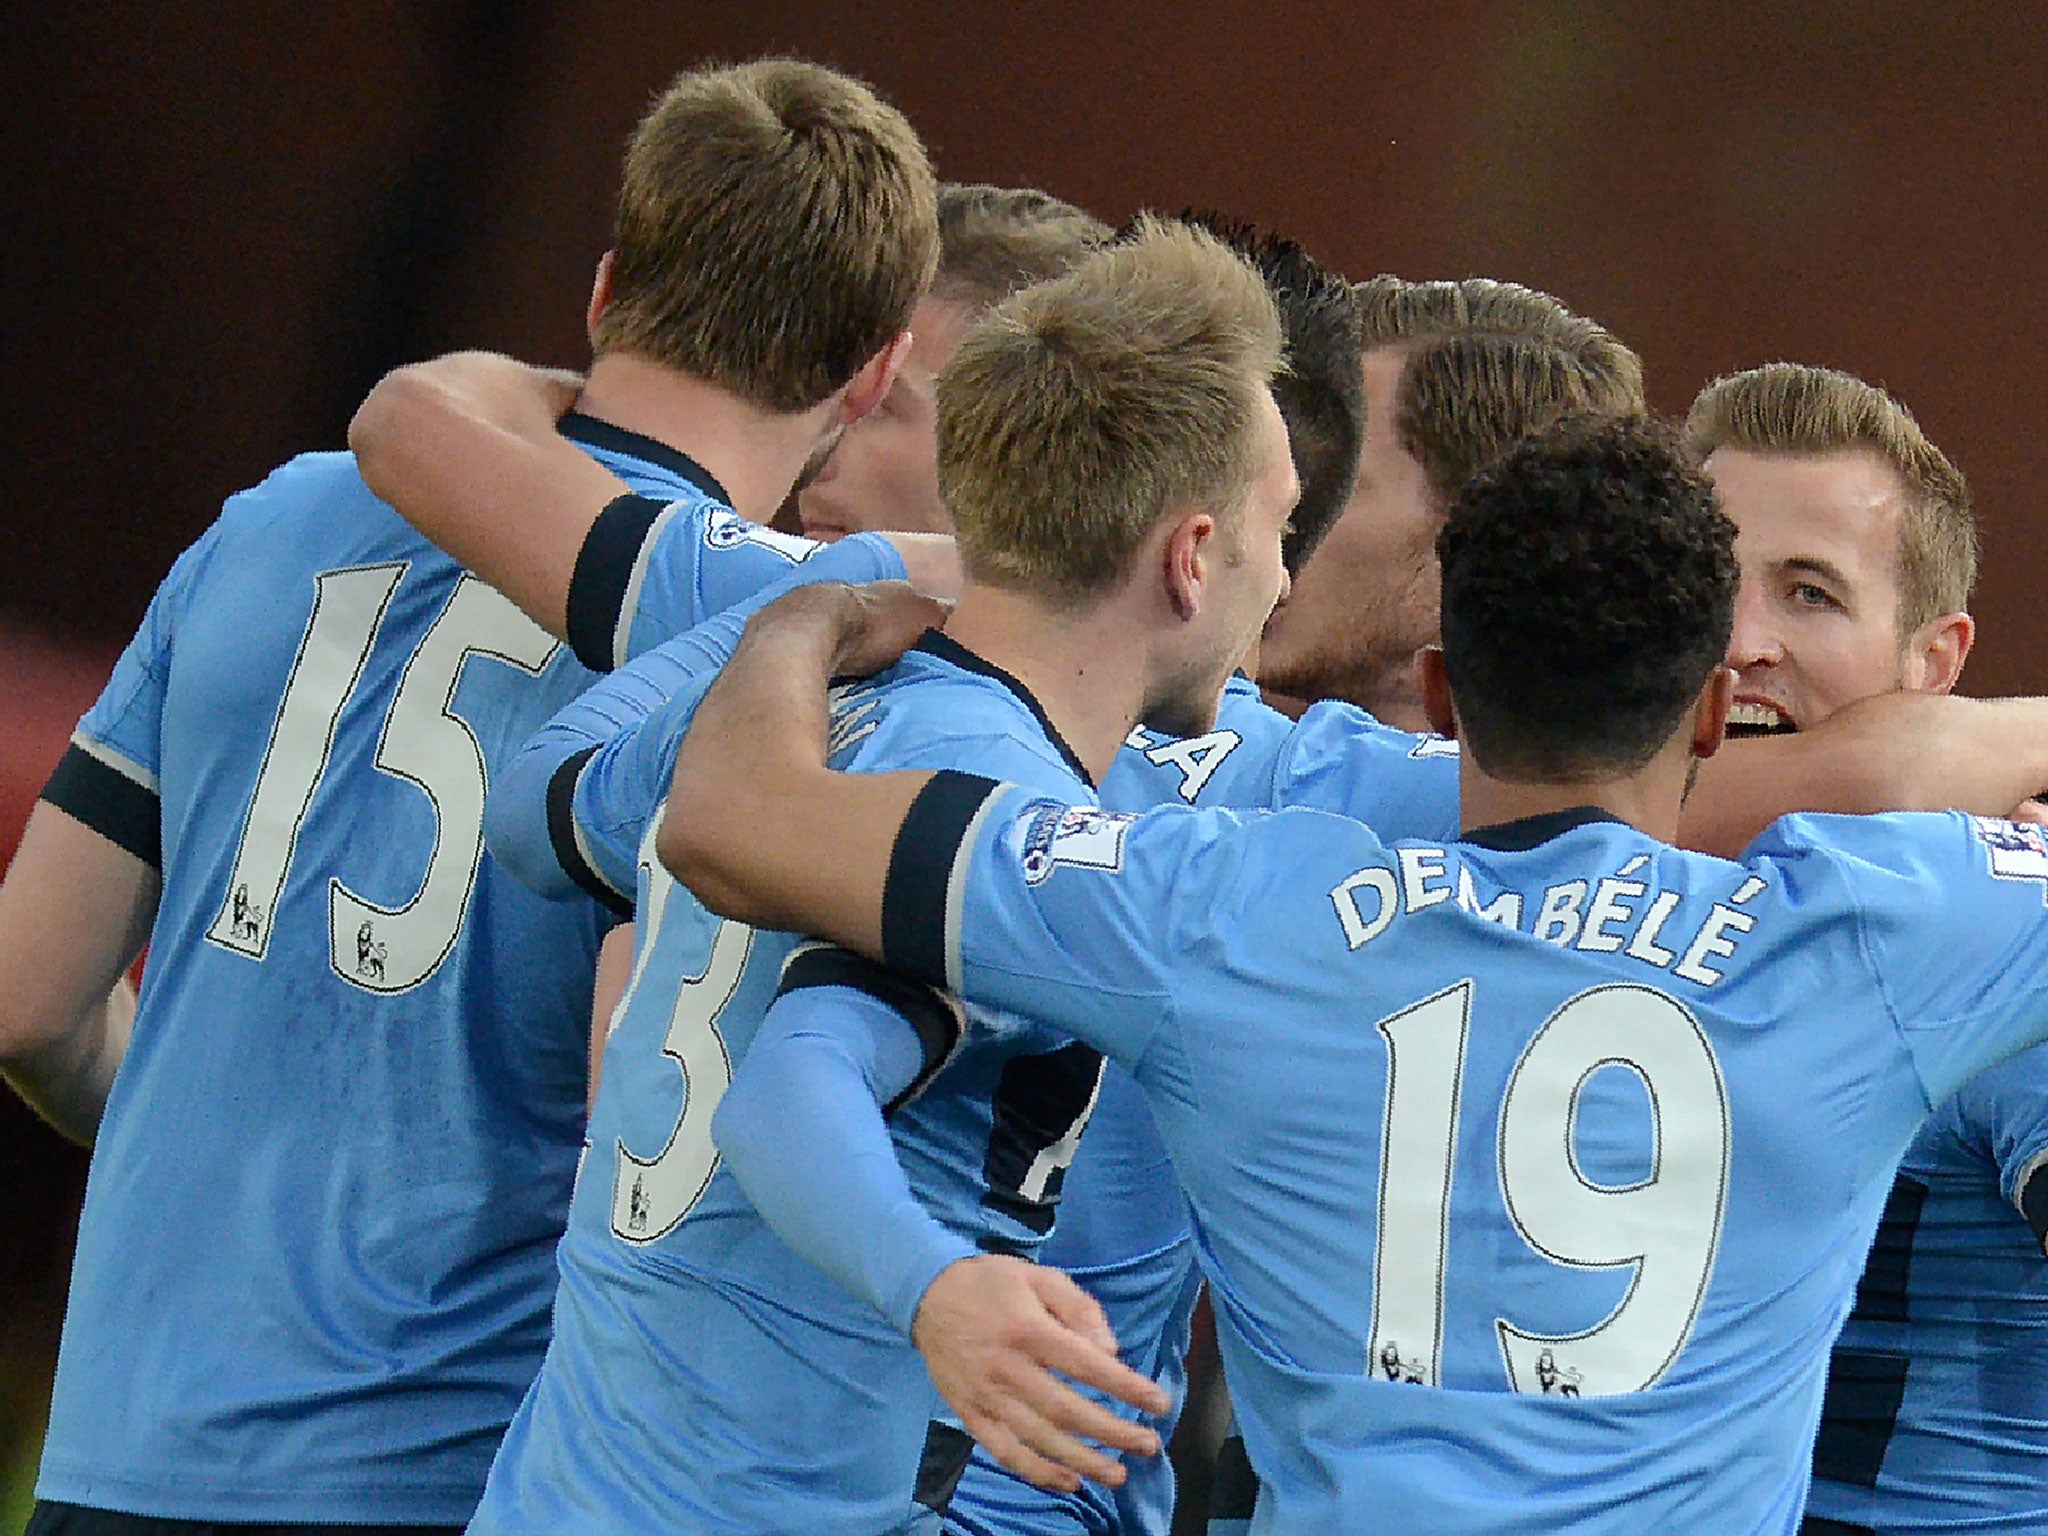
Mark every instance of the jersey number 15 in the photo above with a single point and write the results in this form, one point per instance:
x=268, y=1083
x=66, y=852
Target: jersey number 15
x=424, y=742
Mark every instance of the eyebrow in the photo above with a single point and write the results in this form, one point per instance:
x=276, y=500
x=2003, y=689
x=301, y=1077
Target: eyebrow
x=1814, y=565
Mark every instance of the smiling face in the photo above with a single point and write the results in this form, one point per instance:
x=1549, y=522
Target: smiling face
x=883, y=475
x=1817, y=621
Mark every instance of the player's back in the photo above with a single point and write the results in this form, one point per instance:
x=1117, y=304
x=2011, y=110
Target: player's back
x=1123, y=1231
x=704, y=1376
x=1615, y=1146
x=1937, y=1397
x=1532, y=1172
x=314, y=1267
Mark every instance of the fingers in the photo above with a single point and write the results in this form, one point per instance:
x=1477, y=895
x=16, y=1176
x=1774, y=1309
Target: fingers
x=1074, y=1307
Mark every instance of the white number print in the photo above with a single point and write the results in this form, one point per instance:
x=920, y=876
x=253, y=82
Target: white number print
x=348, y=609
x=1418, y=1143
x=423, y=741
x=390, y=949
x=650, y=1195
x=1667, y=1227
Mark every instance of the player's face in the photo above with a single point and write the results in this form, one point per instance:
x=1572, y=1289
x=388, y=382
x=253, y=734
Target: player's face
x=1246, y=578
x=1368, y=599
x=1817, y=618
x=884, y=473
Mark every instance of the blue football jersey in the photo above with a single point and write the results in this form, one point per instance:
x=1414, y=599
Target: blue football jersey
x=702, y=1376
x=560, y=821
x=315, y=1263
x=657, y=563
x=1936, y=1414
x=1531, y=1171
x=1124, y=1232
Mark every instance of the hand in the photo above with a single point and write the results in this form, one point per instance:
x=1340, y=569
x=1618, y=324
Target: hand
x=885, y=620
x=993, y=1330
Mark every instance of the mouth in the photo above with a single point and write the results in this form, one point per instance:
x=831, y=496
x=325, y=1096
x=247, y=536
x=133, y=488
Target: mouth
x=1758, y=717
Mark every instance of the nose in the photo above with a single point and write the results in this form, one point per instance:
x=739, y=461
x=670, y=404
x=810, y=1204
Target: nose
x=1754, y=640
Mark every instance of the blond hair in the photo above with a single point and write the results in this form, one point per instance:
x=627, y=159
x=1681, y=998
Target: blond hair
x=1082, y=410
x=995, y=240
x=1466, y=397
x=1795, y=409
x=1394, y=311
x=776, y=224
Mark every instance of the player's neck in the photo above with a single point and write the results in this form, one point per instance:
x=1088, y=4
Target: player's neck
x=1648, y=800
x=755, y=455
x=1069, y=662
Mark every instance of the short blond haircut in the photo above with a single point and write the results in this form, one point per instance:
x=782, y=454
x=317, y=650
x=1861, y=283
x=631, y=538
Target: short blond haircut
x=1394, y=312
x=1791, y=408
x=1467, y=397
x=1081, y=411
x=777, y=222
x=995, y=240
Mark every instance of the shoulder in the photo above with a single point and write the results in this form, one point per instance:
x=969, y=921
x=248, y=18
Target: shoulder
x=319, y=496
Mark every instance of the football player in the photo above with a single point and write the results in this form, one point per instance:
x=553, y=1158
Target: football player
x=316, y=1261
x=1517, y=1107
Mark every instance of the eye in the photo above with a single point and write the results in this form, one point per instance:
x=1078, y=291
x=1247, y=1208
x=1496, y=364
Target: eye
x=1807, y=595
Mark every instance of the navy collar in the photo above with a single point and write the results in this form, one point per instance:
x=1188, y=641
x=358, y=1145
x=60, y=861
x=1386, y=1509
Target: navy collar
x=935, y=642
x=592, y=433
x=1526, y=832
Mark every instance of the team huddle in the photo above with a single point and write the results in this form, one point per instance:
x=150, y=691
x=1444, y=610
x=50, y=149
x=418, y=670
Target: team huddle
x=1129, y=765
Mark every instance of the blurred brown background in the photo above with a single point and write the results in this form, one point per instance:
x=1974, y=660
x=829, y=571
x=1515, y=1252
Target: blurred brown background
x=223, y=219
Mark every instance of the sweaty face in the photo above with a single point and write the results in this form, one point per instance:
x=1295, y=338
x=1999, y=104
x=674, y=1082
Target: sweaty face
x=884, y=473
x=1368, y=599
x=1245, y=578
x=1817, y=618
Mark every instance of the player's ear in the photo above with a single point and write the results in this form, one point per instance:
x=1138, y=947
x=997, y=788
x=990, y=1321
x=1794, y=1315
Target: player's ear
x=1435, y=684
x=600, y=295
x=1189, y=544
x=1710, y=714
x=1937, y=651
x=865, y=390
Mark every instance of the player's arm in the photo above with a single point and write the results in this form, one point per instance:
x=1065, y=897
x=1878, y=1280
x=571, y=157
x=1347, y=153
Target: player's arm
x=1893, y=752
x=569, y=809
x=757, y=826
x=466, y=448
x=75, y=911
x=845, y=1044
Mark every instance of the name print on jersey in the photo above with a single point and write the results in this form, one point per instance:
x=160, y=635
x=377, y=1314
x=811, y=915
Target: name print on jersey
x=1368, y=901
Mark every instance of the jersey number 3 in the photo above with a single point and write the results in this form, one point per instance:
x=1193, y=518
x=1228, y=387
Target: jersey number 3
x=380, y=949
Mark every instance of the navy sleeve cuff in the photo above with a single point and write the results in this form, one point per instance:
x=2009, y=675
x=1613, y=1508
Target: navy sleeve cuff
x=562, y=835
x=604, y=577
x=124, y=812
x=934, y=1014
x=936, y=829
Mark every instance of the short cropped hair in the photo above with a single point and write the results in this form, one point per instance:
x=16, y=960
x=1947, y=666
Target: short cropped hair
x=777, y=223
x=1321, y=394
x=1589, y=583
x=1791, y=408
x=1394, y=312
x=995, y=240
x=1468, y=396
x=1079, y=412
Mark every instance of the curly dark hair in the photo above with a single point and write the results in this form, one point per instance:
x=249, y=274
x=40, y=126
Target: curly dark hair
x=1589, y=583
x=1321, y=394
